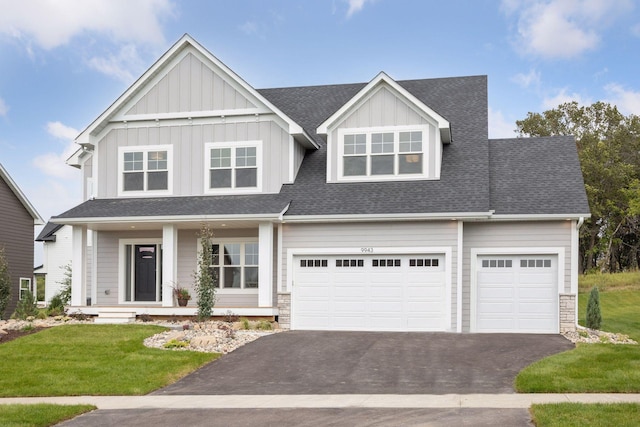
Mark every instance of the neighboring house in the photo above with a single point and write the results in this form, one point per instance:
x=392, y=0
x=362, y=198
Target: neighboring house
x=368, y=206
x=56, y=255
x=16, y=237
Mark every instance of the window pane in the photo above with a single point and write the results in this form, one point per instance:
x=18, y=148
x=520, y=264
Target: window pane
x=355, y=166
x=247, y=177
x=133, y=181
x=410, y=142
x=220, y=178
x=251, y=254
x=232, y=277
x=215, y=254
x=410, y=163
x=381, y=165
x=157, y=180
x=382, y=143
x=221, y=158
x=251, y=277
x=355, y=144
x=133, y=161
x=215, y=274
x=157, y=160
x=232, y=254
x=245, y=156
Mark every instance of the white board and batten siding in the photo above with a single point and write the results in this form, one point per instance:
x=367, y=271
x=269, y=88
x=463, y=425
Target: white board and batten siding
x=371, y=297
x=517, y=271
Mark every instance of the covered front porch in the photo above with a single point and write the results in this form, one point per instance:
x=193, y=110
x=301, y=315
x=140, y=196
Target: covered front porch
x=130, y=268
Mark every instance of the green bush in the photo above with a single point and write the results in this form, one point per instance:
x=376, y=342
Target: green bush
x=594, y=315
x=264, y=325
x=27, y=307
x=244, y=323
x=56, y=306
x=204, y=277
x=174, y=343
x=5, y=283
x=65, y=293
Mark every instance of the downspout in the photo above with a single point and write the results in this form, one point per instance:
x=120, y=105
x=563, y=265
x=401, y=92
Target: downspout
x=575, y=255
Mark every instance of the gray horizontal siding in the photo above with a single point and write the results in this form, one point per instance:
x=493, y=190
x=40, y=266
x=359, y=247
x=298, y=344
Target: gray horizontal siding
x=502, y=235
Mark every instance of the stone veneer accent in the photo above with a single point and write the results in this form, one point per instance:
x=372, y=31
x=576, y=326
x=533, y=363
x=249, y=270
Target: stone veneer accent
x=567, y=312
x=284, y=311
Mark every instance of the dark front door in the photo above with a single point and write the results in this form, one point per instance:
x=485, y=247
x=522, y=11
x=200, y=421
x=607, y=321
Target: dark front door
x=145, y=272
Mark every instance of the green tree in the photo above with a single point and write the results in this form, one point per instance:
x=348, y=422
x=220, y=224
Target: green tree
x=205, y=277
x=5, y=282
x=27, y=307
x=608, y=146
x=65, y=291
x=594, y=316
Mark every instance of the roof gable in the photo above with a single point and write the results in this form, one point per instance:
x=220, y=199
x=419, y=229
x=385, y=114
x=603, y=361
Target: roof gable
x=183, y=54
x=383, y=82
x=4, y=175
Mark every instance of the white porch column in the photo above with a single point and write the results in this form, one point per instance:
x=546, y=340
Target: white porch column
x=78, y=266
x=169, y=263
x=265, y=272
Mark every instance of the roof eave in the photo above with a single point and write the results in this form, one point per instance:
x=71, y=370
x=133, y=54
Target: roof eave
x=37, y=219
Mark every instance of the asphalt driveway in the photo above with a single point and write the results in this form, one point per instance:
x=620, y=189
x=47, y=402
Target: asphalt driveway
x=310, y=362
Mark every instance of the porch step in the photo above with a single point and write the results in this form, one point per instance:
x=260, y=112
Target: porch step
x=110, y=317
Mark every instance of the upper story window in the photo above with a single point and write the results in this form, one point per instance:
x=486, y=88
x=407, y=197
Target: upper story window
x=233, y=167
x=380, y=154
x=145, y=170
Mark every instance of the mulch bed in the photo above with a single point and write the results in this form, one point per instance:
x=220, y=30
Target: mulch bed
x=14, y=334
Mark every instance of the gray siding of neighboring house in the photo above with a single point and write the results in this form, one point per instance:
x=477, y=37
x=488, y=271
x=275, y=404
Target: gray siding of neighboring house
x=383, y=109
x=376, y=235
x=542, y=234
x=16, y=236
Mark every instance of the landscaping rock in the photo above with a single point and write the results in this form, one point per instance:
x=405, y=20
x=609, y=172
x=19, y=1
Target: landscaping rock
x=592, y=336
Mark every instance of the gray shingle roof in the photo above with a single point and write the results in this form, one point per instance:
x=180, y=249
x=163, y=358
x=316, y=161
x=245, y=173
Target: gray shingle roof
x=48, y=232
x=536, y=176
x=465, y=184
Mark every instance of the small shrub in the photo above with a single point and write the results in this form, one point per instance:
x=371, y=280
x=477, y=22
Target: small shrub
x=244, y=323
x=264, y=325
x=65, y=293
x=42, y=314
x=78, y=315
x=56, y=306
x=27, y=307
x=231, y=317
x=145, y=317
x=594, y=315
x=174, y=343
x=27, y=328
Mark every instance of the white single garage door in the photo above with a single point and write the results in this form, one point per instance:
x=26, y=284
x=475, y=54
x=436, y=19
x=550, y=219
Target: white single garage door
x=517, y=294
x=370, y=293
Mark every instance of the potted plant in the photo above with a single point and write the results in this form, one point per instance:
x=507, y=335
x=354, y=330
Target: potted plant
x=182, y=295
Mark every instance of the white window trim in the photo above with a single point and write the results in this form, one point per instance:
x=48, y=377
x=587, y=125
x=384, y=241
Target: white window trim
x=145, y=149
x=221, y=242
x=122, y=272
x=233, y=145
x=426, y=144
x=29, y=287
x=559, y=252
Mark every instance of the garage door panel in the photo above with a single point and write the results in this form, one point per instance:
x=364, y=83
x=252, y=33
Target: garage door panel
x=537, y=292
x=498, y=278
x=496, y=292
x=372, y=296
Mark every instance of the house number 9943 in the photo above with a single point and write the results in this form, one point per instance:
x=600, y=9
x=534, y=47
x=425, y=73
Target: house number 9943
x=366, y=250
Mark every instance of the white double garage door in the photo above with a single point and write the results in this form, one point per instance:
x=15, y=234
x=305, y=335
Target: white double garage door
x=413, y=293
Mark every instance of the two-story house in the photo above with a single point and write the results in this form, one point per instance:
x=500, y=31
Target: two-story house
x=368, y=206
x=16, y=238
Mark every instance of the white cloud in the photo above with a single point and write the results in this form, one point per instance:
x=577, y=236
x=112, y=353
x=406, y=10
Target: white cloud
x=356, y=6
x=50, y=24
x=249, y=28
x=121, y=66
x=53, y=163
x=563, y=97
x=499, y=127
x=4, y=108
x=627, y=101
x=562, y=29
x=527, y=80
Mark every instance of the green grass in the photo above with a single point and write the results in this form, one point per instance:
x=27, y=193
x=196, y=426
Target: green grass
x=75, y=360
x=598, y=368
x=39, y=415
x=579, y=414
x=610, y=282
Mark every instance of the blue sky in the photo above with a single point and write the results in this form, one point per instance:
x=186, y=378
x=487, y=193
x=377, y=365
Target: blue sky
x=63, y=62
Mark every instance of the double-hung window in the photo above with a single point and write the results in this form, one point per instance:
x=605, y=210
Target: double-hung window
x=233, y=167
x=235, y=264
x=385, y=153
x=145, y=169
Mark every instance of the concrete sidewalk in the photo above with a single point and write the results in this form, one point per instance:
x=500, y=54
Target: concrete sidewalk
x=498, y=401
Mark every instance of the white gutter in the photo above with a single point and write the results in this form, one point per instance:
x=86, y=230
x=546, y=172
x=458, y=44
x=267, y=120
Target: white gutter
x=388, y=217
x=174, y=219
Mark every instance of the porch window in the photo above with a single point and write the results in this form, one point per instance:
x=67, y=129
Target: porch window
x=145, y=169
x=235, y=265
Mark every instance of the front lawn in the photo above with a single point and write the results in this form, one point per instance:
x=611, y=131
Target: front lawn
x=598, y=368
x=579, y=414
x=39, y=415
x=75, y=360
